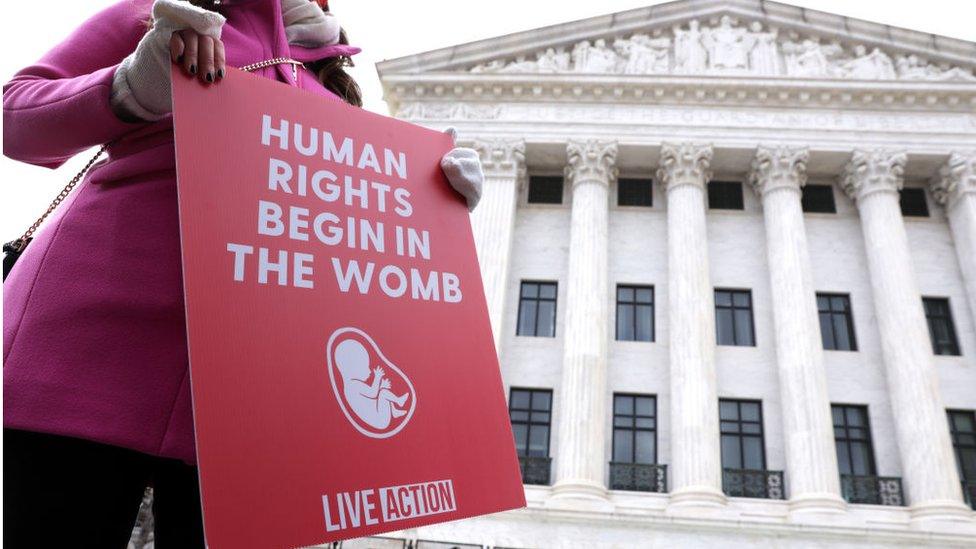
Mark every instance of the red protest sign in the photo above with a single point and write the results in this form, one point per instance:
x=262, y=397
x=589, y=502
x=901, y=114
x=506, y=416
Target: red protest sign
x=344, y=377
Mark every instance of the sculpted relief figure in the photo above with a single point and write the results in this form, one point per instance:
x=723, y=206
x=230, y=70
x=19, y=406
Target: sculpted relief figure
x=764, y=57
x=875, y=65
x=641, y=54
x=911, y=67
x=596, y=58
x=809, y=58
x=552, y=60
x=728, y=47
x=689, y=53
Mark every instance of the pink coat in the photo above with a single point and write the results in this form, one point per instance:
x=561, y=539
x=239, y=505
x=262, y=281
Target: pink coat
x=94, y=338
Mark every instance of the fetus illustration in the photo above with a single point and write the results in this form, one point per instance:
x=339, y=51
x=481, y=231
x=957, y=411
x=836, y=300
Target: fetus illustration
x=374, y=394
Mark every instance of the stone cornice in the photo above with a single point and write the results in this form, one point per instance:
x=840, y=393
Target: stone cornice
x=869, y=172
x=779, y=168
x=679, y=90
x=591, y=161
x=956, y=177
x=684, y=164
x=502, y=157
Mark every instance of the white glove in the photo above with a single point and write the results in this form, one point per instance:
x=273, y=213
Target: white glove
x=462, y=166
x=141, y=88
x=307, y=25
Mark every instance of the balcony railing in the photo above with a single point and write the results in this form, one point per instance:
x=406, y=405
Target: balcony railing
x=872, y=490
x=753, y=483
x=535, y=469
x=969, y=492
x=639, y=477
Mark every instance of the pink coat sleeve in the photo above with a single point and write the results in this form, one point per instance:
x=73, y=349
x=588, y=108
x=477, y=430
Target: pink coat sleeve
x=59, y=106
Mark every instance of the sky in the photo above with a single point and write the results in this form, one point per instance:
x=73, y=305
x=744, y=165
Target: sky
x=385, y=29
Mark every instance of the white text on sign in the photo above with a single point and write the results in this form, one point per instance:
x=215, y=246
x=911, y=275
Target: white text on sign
x=389, y=504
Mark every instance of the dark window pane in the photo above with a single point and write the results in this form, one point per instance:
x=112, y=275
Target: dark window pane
x=530, y=429
x=623, y=450
x=547, y=291
x=853, y=440
x=941, y=328
x=546, y=324
x=818, y=199
x=644, y=452
x=723, y=298
x=741, y=299
x=519, y=415
x=530, y=289
x=645, y=423
x=743, y=327
x=838, y=414
x=539, y=441
x=860, y=458
x=749, y=411
x=634, y=192
x=542, y=400
x=730, y=426
x=752, y=453
x=855, y=416
x=725, y=195
x=623, y=405
x=527, y=316
x=644, y=406
x=645, y=323
x=731, y=454
x=521, y=432
x=827, y=332
x=836, y=323
x=625, y=293
x=913, y=202
x=963, y=422
x=724, y=327
x=843, y=462
x=519, y=399
x=627, y=422
x=823, y=303
x=625, y=322
x=840, y=327
x=545, y=189
x=645, y=295
x=728, y=410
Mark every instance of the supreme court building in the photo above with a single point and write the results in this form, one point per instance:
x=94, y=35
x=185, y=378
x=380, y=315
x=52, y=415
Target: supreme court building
x=729, y=251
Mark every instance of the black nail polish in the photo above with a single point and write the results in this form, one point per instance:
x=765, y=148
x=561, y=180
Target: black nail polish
x=220, y=73
x=179, y=58
x=193, y=69
x=209, y=77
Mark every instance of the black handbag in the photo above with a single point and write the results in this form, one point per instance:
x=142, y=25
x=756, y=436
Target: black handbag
x=13, y=249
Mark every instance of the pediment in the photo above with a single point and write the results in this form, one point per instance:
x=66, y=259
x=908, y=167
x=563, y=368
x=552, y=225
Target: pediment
x=739, y=38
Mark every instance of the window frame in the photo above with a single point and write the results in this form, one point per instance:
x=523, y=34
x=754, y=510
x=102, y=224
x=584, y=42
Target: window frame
x=957, y=446
x=806, y=198
x=635, y=304
x=740, y=434
x=954, y=349
x=537, y=299
x=634, y=430
x=918, y=192
x=848, y=315
x=547, y=176
x=715, y=189
x=529, y=423
x=649, y=182
x=868, y=439
x=733, y=307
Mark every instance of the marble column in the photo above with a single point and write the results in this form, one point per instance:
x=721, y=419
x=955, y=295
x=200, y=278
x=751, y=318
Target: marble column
x=583, y=407
x=872, y=179
x=696, y=466
x=955, y=188
x=493, y=221
x=811, y=460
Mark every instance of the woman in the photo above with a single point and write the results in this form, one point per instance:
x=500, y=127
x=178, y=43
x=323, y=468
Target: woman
x=97, y=401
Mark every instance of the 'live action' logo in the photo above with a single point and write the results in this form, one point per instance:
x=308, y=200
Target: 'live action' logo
x=389, y=504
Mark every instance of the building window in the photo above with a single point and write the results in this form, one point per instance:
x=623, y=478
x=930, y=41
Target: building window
x=530, y=412
x=725, y=195
x=545, y=189
x=941, y=329
x=537, y=309
x=742, y=434
x=852, y=436
x=913, y=202
x=818, y=199
x=733, y=317
x=962, y=425
x=635, y=192
x=634, y=429
x=836, y=322
x=635, y=313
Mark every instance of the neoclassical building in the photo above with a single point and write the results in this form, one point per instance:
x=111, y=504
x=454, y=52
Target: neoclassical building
x=729, y=251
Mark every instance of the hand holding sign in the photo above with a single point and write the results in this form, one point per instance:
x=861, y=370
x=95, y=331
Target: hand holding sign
x=344, y=377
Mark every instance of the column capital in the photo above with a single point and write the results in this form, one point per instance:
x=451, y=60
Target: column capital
x=501, y=156
x=871, y=171
x=957, y=177
x=591, y=161
x=779, y=167
x=684, y=164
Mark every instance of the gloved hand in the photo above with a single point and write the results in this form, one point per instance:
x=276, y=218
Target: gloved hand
x=462, y=166
x=141, y=88
x=307, y=25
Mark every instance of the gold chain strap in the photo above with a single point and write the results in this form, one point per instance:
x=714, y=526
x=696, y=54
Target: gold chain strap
x=22, y=242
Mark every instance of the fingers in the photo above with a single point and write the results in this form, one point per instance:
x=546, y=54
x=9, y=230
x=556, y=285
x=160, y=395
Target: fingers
x=190, y=44
x=220, y=60
x=452, y=132
x=176, y=48
x=205, y=58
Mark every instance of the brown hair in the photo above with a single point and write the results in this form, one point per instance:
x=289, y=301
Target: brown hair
x=330, y=70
